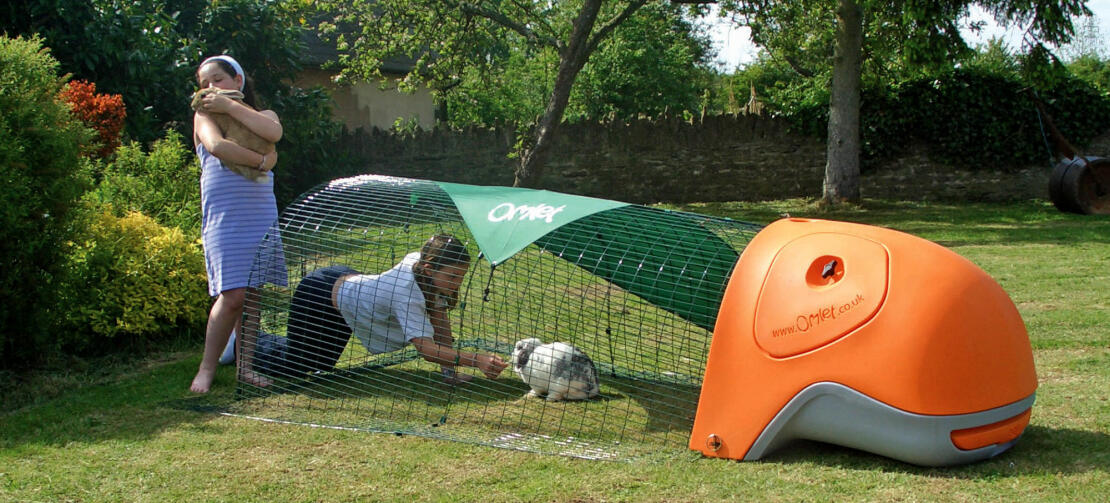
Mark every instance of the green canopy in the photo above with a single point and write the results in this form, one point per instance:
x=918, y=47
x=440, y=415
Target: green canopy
x=504, y=220
x=671, y=259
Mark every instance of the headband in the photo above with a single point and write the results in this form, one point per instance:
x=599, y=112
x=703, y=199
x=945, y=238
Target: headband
x=234, y=64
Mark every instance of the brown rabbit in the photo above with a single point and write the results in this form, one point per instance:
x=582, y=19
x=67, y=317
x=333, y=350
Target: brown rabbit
x=235, y=131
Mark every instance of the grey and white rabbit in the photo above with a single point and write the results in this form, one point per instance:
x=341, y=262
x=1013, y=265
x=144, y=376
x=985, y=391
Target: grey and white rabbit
x=556, y=371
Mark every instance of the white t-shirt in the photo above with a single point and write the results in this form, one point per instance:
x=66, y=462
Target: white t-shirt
x=385, y=311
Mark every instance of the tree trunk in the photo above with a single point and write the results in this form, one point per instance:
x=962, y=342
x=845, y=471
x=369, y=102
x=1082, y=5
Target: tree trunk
x=843, y=149
x=572, y=58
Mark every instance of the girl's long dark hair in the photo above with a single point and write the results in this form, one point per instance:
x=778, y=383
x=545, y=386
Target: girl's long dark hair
x=439, y=251
x=249, y=96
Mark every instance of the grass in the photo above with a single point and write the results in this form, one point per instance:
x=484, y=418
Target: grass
x=116, y=431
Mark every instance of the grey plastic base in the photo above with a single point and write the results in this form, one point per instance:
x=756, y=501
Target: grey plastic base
x=836, y=414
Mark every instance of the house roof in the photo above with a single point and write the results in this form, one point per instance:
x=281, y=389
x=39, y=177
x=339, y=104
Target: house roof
x=318, y=51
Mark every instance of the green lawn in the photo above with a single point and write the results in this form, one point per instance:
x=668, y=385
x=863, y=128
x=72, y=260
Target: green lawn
x=116, y=430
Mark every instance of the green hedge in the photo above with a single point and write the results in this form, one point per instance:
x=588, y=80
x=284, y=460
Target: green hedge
x=40, y=147
x=969, y=118
x=975, y=119
x=98, y=276
x=134, y=270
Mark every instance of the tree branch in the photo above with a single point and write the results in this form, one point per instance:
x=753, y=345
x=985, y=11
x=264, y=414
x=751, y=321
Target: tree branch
x=539, y=20
x=797, y=67
x=791, y=62
x=503, y=20
x=608, y=27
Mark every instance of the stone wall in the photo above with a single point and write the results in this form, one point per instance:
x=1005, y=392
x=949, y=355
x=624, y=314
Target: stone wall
x=720, y=158
x=915, y=177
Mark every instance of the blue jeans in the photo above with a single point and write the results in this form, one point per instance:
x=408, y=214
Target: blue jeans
x=315, y=334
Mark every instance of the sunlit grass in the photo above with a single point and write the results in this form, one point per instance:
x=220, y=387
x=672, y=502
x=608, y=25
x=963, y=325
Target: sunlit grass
x=124, y=430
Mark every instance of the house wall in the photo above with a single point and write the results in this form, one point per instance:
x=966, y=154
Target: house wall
x=366, y=105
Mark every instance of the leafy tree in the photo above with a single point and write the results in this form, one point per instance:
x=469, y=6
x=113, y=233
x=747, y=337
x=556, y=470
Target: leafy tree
x=1090, y=68
x=135, y=48
x=892, y=36
x=979, y=109
x=655, y=62
x=994, y=57
x=449, y=38
x=147, y=50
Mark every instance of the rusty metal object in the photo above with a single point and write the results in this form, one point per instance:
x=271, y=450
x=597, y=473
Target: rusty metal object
x=1078, y=184
x=1081, y=185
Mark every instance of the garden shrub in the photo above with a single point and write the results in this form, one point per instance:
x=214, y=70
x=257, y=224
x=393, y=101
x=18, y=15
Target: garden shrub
x=40, y=146
x=968, y=118
x=104, y=113
x=163, y=184
x=129, y=281
x=971, y=119
x=980, y=120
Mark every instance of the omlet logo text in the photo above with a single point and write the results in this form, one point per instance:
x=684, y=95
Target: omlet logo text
x=509, y=211
x=804, y=322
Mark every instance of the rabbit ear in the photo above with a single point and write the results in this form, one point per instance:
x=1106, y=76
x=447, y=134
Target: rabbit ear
x=521, y=358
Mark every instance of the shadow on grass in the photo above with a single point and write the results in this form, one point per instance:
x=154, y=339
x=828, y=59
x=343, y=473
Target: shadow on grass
x=142, y=407
x=1033, y=222
x=128, y=408
x=669, y=407
x=1040, y=451
x=416, y=401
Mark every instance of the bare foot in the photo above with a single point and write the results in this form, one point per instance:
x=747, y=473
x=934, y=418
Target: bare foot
x=254, y=379
x=203, y=381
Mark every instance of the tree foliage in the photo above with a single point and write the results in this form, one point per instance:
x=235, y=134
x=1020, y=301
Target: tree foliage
x=1092, y=69
x=133, y=48
x=128, y=281
x=980, y=115
x=452, y=42
x=147, y=50
x=656, y=62
x=899, y=40
x=161, y=183
x=104, y=113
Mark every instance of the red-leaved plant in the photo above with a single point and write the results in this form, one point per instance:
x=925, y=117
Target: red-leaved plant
x=101, y=112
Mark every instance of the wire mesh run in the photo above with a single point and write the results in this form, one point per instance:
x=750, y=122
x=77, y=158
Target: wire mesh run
x=634, y=289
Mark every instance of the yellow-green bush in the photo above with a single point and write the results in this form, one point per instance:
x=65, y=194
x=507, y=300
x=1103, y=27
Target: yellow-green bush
x=163, y=183
x=129, y=280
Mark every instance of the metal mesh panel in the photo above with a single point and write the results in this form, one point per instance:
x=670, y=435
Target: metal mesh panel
x=635, y=288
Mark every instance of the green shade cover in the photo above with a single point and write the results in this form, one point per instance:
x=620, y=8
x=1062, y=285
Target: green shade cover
x=504, y=220
x=671, y=259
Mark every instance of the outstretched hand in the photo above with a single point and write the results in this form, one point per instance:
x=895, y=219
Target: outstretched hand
x=491, y=365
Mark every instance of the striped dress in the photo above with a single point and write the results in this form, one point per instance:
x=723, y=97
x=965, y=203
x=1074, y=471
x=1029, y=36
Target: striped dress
x=236, y=215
